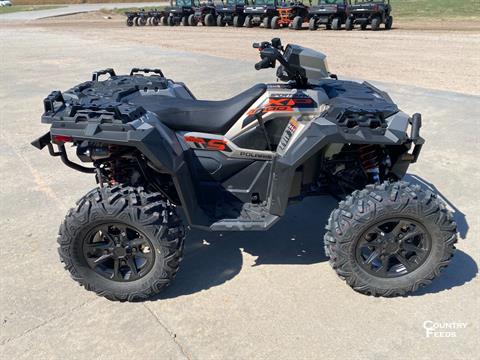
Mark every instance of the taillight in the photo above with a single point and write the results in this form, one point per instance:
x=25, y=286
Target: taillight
x=60, y=139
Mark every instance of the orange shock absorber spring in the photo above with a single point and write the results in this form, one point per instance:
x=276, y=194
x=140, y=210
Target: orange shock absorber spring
x=369, y=159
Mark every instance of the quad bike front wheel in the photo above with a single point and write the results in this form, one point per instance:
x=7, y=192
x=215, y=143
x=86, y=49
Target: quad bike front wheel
x=210, y=20
x=312, y=24
x=390, y=239
x=122, y=242
x=248, y=21
x=349, y=24
x=336, y=23
x=297, y=23
x=129, y=22
x=389, y=23
x=375, y=25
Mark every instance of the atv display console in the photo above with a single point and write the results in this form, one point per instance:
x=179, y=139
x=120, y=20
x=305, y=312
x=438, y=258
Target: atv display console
x=235, y=165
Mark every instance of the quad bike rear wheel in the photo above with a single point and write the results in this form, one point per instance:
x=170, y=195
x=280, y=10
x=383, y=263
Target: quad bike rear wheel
x=312, y=24
x=297, y=23
x=336, y=24
x=155, y=21
x=121, y=242
x=390, y=239
x=129, y=22
x=164, y=20
x=209, y=20
x=192, y=21
x=238, y=21
x=349, y=24
x=274, y=23
x=267, y=22
x=375, y=25
x=142, y=21
x=389, y=23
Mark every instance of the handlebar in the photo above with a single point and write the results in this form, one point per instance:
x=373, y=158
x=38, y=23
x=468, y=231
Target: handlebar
x=263, y=64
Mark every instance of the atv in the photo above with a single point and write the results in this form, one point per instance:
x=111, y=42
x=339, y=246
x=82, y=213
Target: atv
x=331, y=13
x=369, y=12
x=292, y=15
x=205, y=13
x=137, y=18
x=179, y=13
x=260, y=12
x=231, y=13
x=235, y=165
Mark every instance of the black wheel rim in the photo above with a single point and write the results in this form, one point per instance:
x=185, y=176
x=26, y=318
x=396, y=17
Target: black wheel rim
x=393, y=248
x=118, y=252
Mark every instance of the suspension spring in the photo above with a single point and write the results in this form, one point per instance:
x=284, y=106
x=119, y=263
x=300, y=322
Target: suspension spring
x=369, y=159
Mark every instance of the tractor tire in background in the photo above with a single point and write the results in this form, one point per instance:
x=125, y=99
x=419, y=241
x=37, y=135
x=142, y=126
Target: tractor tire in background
x=297, y=23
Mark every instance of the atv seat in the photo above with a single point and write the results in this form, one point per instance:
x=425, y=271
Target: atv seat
x=214, y=117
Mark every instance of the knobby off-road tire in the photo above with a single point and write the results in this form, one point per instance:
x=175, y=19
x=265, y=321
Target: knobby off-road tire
x=273, y=23
x=184, y=21
x=312, y=24
x=192, y=21
x=210, y=20
x=156, y=248
x=349, y=24
x=297, y=23
x=267, y=22
x=248, y=21
x=220, y=21
x=129, y=22
x=389, y=23
x=238, y=21
x=336, y=24
x=348, y=228
x=375, y=25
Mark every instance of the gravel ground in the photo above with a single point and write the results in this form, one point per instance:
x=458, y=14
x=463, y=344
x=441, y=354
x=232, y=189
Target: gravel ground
x=436, y=58
x=241, y=295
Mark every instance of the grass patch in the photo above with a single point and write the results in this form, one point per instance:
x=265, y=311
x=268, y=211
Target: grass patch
x=16, y=8
x=435, y=9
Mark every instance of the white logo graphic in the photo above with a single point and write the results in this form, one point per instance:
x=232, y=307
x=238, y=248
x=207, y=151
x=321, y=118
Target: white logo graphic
x=442, y=329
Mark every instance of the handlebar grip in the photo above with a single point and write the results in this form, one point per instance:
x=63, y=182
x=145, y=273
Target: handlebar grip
x=262, y=64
